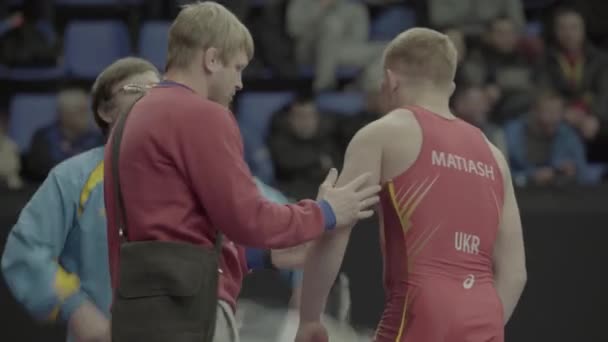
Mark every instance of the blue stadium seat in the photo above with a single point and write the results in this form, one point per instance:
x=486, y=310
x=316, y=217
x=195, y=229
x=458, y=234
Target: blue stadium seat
x=31, y=74
x=538, y=4
x=392, y=21
x=28, y=112
x=153, y=40
x=534, y=28
x=342, y=103
x=255, y=109
x=254, y=113
x=343, y=72
x=90, y=46
x=595, y=173
x=87, y=2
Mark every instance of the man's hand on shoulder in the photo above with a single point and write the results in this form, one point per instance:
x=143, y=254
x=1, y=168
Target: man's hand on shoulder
x=351, y=202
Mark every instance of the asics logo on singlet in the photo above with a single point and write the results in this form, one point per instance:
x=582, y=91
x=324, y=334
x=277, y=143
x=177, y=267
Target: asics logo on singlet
x=452, y=161
x=469, y=282
x=467, y=243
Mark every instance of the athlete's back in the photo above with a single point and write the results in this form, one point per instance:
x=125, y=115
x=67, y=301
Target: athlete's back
x=451, y=237
x=440, y=214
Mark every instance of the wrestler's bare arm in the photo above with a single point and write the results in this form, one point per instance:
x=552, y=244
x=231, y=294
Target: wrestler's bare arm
x=363, y=155
x=290, y=258
x=509, y=256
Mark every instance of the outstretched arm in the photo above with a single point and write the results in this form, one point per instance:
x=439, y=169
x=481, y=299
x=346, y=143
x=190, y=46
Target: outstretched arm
x=509, y=256
x=364, y=155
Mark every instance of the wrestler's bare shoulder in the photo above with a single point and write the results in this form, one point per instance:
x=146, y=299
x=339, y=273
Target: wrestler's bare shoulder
x=500, y=160
x=398, y=122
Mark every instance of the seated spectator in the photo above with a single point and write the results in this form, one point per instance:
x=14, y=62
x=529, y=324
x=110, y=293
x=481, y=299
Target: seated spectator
x=27, y=38
x=10, y=163
x=471, y=104
x=543, y=148
x=301, y=148
x=594, y=12
x=168, y=9
x=347, y=126
x=471, y=16
x=580, y=73
x=11, y=22
x=507, y=70
x=469, y=71
x=333, y=33
x=71, y=134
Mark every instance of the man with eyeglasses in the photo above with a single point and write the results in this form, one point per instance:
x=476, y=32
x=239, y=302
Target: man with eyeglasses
x=56, y=260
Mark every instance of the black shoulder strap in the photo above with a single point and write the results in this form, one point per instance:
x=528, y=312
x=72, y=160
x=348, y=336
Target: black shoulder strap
x=121, y=213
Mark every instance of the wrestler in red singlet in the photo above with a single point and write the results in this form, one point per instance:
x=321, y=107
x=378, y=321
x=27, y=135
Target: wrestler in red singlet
x=439, y=220
x=451, y=235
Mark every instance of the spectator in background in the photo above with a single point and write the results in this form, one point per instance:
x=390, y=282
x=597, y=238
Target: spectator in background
x=580, y=73
x=27, y=38
x=10, y=22
x=10, y=163
x=469, y=71
x=508, y=74
x=471, y=104
x=168, y=9
x=347, y=126
x=471, y=16
x=543, y=148
x=301, y=148
x=594, y=12
x=333, y=33
x=71, y=134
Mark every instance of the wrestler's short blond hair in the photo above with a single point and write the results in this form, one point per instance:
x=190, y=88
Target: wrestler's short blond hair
x=424, y=54
x=203, y=25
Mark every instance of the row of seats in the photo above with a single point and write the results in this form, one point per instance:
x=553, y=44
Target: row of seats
x=28, y=112
x=96, y=3
x=528, y=4
x=89, y=46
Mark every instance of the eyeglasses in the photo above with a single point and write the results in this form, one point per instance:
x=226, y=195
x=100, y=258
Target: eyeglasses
x=135, y=88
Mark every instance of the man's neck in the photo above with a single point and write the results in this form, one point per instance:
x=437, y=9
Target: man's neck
x=188, y=79
x=437, y=102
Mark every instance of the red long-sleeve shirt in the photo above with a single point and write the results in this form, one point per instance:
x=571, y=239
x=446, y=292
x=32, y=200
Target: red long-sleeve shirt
x=183, y=177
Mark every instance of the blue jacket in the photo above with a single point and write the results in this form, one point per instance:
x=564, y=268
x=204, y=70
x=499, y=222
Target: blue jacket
x=56, y=255
x=566, y=146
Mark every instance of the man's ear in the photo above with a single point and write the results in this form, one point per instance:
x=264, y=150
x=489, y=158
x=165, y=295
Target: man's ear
x=393, y=80
x=107, y=116
x=211, y=60
x=452, y=88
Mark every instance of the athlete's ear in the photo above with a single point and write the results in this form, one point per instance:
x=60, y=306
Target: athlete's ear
x=108, y=116
x=392, y=80
x=452, y=88
x=211, y=60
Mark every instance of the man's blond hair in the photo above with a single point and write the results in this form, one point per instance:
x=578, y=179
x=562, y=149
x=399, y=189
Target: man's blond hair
x=423, y=54
x=203, y=25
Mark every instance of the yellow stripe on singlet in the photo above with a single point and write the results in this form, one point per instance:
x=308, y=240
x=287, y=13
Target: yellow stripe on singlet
x=404, y=226
x=404, y=208
x=94, y=179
